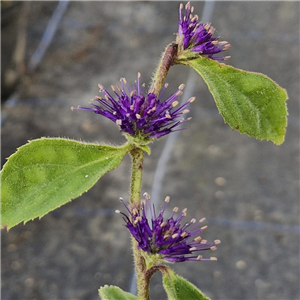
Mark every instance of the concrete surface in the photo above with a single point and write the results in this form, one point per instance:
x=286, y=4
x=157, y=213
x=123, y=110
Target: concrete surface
x=247, y=189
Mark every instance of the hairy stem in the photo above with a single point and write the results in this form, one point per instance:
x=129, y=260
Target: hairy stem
x=163, y=67
x=137, y=155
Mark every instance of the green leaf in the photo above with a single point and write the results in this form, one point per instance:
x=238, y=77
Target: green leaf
x=250, y=102
x=145, y=148
x=47, y=173
x=115, y=293
x=178, y=288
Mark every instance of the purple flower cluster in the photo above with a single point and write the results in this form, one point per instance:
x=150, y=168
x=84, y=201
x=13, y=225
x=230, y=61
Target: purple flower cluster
x=173, y=241
x=143, y=117
x=197, y=37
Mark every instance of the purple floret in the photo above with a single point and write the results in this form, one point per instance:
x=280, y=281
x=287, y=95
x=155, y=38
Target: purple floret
x=175, y=242
x=140, y=115
x=198, y=37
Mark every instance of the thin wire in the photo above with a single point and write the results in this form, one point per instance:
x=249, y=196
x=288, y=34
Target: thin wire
x=41, y=49
x=48, y=35
x=162, y=163
x=233, y=224
x=171, y=139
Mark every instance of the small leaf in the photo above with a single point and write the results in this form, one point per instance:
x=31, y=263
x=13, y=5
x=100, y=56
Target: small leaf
x=47, y=173
x=145, y=148
x=178, y=288
x=250, y=102
x=115, y=293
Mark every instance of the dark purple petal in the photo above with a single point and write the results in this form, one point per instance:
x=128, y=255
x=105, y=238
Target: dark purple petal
x=175, y=242
x=139, y=115
x=198, y=37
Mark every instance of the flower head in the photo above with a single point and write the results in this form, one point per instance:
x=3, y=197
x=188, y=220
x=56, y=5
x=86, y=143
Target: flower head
x=166, y=237
x=198, y=37
x=141, y=117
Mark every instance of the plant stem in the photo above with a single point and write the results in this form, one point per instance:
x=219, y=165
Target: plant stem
x=137, y=155
x=143, y=280
x=163, y=67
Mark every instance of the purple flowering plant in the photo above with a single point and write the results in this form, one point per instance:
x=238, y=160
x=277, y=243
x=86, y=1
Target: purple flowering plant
x=48, y=172
x=166, y=239
x=141, y=117
x=196, y=37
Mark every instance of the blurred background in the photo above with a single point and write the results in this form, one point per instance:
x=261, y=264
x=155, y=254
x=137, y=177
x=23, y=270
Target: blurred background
x=53, y=56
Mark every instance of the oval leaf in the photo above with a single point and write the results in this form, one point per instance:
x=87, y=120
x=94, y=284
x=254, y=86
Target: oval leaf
x=250, y=102
x=177, y=288
x=115, y=293
x=47, y=173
